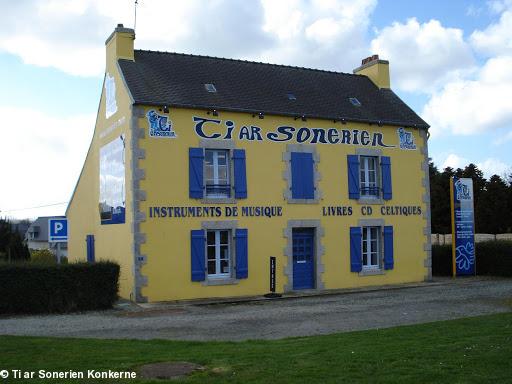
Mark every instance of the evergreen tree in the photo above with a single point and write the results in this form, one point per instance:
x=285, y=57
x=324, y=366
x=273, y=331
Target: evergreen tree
x=12, y=247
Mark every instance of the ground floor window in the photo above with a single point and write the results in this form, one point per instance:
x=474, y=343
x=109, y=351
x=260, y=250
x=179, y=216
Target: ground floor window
x=371, y=247
x=218, y=253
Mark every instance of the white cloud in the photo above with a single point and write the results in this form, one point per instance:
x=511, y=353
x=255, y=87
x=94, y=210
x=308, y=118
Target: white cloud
x=496, y=39
x=423, y=56
x=492, y=166
x=70, y=35
x=473, y=106
x=454, y=161
x=43, y=156
x=323, y=34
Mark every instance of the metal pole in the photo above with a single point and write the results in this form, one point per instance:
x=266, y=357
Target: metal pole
x=58, y=253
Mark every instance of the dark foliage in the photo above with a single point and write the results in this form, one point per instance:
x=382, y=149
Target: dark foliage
x=492, y=258
x=11, y=243
x=493, y=200
x=33, y=288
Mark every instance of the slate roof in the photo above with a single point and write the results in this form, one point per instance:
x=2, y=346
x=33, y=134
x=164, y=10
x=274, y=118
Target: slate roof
x=173, y=79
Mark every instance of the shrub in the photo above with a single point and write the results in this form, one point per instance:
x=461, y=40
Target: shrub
x=492, y=258
x=42, y=256
x=39, y=288
x=442, y=260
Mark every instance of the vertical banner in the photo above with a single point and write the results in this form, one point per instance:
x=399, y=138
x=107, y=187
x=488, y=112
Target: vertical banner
x=272, y=274
x=463, y=226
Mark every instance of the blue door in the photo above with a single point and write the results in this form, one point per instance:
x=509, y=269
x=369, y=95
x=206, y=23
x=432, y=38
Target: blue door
x=303, y=258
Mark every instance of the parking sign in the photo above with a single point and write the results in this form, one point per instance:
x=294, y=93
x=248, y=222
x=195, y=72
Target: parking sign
x=58, y=230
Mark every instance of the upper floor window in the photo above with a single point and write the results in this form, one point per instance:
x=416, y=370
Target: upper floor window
x=369, y=177
x=217, y=173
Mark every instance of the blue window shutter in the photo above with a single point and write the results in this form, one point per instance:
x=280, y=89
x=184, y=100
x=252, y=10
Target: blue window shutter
x=303, y=183
x=240, y=174
x=242, y=266
x=197, y=254
x=385, y=165
x=356, y=260
x=195, y=172
x=388, y=247
x=91, y=257
x=353, y=176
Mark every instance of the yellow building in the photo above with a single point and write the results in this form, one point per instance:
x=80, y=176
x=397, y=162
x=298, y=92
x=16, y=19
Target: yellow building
x=202, y=169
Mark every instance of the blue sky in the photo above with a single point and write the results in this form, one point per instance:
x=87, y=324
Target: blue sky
x=450, y=61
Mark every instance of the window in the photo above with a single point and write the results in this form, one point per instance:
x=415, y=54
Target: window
x=210, y=88
x=369, y=178
x=217, y=173
x=218, y=253
x=371, y=247
x=354, y=101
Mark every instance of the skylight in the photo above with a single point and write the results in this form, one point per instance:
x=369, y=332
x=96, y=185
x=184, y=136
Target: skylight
x=210, y=87
x=354, y=101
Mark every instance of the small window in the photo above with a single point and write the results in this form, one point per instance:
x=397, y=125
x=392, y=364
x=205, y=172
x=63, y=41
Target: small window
x=291, y=96
x=210, y=87
x=371, y=247
x=218, y=243
x=369, y=176
x=217, y=173
x=354, y=101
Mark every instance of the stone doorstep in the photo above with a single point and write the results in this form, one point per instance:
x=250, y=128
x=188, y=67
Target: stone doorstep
x=298, y=294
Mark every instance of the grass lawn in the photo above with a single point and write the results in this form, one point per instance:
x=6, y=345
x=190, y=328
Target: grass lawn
x=472, y=350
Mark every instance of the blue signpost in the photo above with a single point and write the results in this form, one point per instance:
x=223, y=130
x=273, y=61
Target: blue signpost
x=58, y=233
x=463, y=227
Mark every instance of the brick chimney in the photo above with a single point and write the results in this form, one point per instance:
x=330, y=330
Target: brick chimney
x=377, y=70
x=119, y=45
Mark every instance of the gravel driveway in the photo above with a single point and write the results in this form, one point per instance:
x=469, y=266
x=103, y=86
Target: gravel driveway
x=278, y=318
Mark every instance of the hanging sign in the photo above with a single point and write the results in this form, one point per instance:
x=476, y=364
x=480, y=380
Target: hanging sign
x=463, y=226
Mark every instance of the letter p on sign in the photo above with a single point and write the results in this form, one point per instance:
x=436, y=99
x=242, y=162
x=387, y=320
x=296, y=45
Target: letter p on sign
x=58, y=230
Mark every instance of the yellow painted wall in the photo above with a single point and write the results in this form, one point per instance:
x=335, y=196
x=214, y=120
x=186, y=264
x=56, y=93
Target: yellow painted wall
x=112, y=242
x=377, y=72
x=168, y=239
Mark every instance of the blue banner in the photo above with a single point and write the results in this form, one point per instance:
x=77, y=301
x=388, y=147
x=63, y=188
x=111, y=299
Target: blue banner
x=463, y=226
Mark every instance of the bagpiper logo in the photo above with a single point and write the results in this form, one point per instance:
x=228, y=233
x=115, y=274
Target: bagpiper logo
x=160, y=126
x=406, y=139
x=462, y=190
x=110, y=96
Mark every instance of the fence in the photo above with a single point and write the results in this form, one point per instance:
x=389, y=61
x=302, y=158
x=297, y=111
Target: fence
x=440, y=239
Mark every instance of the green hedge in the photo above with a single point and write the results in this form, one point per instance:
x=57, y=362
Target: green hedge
x=33, y=288
x=492, y=258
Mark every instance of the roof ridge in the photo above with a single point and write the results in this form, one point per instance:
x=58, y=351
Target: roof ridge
x=246, y=61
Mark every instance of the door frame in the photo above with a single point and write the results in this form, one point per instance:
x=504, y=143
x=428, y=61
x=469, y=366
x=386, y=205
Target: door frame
x=306, y=232
x=318, y=233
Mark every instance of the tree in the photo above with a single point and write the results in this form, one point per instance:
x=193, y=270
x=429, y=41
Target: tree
x=494, y=206
x=11, y=244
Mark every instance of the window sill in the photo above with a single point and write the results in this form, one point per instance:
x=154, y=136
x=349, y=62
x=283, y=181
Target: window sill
x=221, y=200
x=220, y=281
x=370, y=201
x=303, y=201
x=371, y=272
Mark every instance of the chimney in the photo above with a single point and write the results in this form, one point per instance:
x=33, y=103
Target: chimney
x=119, y=45
x=377, y=70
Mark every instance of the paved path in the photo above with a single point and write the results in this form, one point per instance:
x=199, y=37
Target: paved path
x=272, y=319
